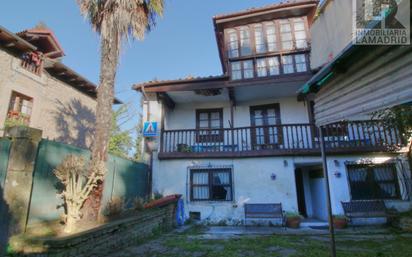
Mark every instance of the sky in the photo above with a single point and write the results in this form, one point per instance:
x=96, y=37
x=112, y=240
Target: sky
x=182, y=43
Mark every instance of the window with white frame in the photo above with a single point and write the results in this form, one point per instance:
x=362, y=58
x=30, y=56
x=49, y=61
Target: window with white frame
x=259, y=39
x=286, y=35
x=300, y=33
x=248, y=69
x=273, y=66
x=245, y=48
x=271, y=36
x=236, y=70
x=211, y=184
x=233, y=44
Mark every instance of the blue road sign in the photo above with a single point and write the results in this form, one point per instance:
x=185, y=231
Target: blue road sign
x=150, y=129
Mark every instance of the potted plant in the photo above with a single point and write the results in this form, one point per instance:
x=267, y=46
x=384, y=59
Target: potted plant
x=340, y=221
x=293, y=220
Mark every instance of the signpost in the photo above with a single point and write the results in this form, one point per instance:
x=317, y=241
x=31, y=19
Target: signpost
x=150, y=129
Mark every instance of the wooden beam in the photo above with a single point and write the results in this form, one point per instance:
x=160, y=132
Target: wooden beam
x=166, y=100
x=232, y=97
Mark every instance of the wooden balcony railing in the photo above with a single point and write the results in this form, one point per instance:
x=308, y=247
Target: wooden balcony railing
x=285, y=139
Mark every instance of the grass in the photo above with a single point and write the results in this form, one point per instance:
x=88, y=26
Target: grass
x=192, y=243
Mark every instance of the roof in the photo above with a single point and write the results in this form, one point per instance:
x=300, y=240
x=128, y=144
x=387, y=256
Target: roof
x=187, y=80
x=44, y=39
x=292, y=8
x=17, y=45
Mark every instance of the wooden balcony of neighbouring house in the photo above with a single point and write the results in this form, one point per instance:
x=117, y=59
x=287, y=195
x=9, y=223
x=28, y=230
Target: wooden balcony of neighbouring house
x=279, y=140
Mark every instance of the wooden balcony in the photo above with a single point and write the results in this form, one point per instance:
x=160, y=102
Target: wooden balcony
x=279, y=140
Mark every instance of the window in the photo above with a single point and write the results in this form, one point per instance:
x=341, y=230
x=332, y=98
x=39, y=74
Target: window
x=209, y=122
x=273, y=66
x=286, y=35
x=233, y=44
x=265, y=133
x=20, y=108
x=248, y=69
x=287, y=64
x=211, y=184
x=259, y=39
x=373, y=181
x=300, y=33
x=245, y=48
x=236, y=70
x=271, y=36
x=261, y=67
x=300, y=60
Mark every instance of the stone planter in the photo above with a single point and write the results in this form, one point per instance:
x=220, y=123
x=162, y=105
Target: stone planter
x=340, y=223
x=293, y=222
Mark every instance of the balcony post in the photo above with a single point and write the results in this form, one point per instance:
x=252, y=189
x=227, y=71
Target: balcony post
x=328, y=200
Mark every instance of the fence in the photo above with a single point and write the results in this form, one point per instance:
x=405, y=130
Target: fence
x=124, y=178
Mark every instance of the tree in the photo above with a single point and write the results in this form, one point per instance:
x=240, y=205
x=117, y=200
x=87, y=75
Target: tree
x=121, y=141
x=115, y=21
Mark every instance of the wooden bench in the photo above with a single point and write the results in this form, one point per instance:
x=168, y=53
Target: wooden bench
x=264, y=211
x=365, y=209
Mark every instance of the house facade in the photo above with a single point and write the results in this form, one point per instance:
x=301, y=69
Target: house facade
x=246, y=137
x=39, y=91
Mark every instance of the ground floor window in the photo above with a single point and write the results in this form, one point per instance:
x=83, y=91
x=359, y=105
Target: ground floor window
x=211, y=184
x=373, y=181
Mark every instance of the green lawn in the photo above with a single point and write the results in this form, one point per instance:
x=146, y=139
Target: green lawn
x=195, y=243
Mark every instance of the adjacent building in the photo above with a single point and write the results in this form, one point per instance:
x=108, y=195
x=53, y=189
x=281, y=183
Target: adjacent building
x=38, y=90
x=248, y=136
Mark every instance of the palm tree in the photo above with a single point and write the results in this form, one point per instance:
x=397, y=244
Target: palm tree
x=115, y=21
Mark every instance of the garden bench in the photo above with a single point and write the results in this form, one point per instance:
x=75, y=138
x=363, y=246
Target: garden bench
x=365, y=209
x=259, y=212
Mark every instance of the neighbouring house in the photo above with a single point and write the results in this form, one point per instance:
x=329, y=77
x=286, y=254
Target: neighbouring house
x=38, y=90
x=246, y=137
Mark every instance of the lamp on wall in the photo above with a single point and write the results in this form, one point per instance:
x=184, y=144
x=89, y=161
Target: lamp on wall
x=336, y=163
x=273, y=176
x=285, y=163
x=338, y=174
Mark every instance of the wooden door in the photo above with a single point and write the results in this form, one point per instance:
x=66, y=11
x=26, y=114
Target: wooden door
x=265, y=131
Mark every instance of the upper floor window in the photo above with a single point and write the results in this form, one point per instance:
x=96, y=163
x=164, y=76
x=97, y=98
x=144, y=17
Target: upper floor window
x=287, y=64
x=286, y=35
x=271, y=36
x=242, y=70
x=245, y=48
x=259, y=39
x=300, y=33
x=209, y=122
x=20, y=109
x=233, y=44
x=300, y=61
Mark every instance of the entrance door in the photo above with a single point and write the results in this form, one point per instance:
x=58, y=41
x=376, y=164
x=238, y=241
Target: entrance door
x=265, y=133
x=300, y=192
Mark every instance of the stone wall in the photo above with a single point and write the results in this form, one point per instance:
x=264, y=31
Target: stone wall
x=109, y=237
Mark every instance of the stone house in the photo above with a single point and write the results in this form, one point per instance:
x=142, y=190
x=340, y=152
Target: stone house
x=38, y=90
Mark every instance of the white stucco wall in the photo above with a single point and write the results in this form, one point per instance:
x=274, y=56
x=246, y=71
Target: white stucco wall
x=184, y=115
x=252, y=183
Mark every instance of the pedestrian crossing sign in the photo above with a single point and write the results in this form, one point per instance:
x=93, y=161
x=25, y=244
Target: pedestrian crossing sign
x=150, y=129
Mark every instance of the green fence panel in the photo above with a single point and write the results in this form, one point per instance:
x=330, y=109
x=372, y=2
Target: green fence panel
x=44, y=200
x=124, y=178
x=5, y=145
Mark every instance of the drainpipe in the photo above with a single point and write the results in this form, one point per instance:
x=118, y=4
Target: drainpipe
x=328, y=201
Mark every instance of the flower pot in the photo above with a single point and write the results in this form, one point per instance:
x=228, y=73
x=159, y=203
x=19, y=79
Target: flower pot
x=340, y=223
x=293, y=222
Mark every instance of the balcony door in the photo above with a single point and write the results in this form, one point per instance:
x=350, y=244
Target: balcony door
x=264, y=132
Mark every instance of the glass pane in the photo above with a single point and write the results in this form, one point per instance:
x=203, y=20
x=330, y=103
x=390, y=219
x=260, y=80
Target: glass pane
x=215, y=115
x=273, y=66
x=221, y=178
x=258, y=114
x=285, y=26
x=200, y=192
x=259, y=122
x=259, y=42
x=203, y=116
x=245, y=48
x=200, y=178
x=233, y=44
x=287, y=64
x=215, y=123
x=236, y=75
x=203, y=124
x=300, y=60
x=248, y=69
x=299, y=26
x=300, y=35
x=261, y=68
x=236, y=70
